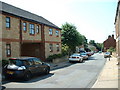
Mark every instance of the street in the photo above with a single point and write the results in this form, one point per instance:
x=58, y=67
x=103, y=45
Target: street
x=78, y=75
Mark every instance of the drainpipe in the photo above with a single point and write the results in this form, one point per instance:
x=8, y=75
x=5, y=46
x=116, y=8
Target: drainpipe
x=20, y=36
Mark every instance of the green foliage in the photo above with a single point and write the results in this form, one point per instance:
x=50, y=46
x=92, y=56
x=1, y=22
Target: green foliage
x=111, y=49
x=4, y=62
x=98, y=46
x=71, y=37
x=54, y=56
x=92, y=42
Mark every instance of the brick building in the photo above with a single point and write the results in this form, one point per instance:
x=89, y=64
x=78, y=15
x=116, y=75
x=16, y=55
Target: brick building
x=26, y=34
x=117, y=30
x=110, y=42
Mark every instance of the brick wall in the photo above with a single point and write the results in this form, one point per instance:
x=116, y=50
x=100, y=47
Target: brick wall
x=110, y=42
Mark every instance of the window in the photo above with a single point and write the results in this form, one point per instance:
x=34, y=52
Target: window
x=57, y=33
x=16, y=62
x=25, y=26
x=57, y=46
x=37, y=61
x=51, y=47
x=7, y=22
x=37, y=29
x=31, y=62
x=8, y=49
x=32, y=29
x=50, y=31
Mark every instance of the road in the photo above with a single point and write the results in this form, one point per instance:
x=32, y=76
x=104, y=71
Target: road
x=78, y=75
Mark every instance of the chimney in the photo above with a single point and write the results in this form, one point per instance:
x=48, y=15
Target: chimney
x=109, y=36
x=112, y=36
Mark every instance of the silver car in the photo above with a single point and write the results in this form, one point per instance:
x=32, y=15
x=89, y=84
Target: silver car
x=75, y=57
x=107, y=54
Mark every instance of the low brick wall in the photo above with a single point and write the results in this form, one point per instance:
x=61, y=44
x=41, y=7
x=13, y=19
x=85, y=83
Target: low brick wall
x=58, y=60
x=114, y=54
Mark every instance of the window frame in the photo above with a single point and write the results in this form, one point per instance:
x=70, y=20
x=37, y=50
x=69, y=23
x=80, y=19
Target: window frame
x=58, y=47
x=37, y=29
x=51, y=47
x=31, y=29
x=57, y=33
x=24, y=26
x=50, y=31
x=8, y=50
x=8, y=22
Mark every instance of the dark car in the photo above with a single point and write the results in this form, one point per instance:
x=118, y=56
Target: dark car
x=25, y=67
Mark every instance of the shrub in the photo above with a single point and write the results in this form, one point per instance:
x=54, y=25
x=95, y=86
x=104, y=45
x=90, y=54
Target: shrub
x=4, y=62
x=51, y=57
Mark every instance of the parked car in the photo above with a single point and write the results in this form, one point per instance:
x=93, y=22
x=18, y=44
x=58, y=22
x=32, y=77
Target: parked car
x=90, y=53
x=76, y=57
x=25, y=67
x=100, y=51
x=84, y=55
x=107, y=54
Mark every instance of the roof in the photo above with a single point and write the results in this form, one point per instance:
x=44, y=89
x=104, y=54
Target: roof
x=21, y=58
x=117, y=11
x=6, y=8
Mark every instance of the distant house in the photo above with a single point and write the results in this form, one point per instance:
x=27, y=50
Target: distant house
x=27, y=34
x=92, y=48
x=79, y=48
x=110, y=42
x=117, y=30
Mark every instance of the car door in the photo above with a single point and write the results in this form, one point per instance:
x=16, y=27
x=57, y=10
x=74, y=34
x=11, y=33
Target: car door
x=31, y=66
x=39, y=66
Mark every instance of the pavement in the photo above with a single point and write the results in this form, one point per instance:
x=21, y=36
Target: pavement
x=54, y=66
x=108, y=77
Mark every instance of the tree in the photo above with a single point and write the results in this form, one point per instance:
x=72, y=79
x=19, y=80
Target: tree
x=71, y=37
x=92, y=42
x=111, y=49
x=99, y=46
x=85, y=41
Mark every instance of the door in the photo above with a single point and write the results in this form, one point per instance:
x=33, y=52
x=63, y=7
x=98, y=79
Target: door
x=39, y=66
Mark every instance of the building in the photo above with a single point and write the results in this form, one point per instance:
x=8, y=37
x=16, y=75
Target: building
x=26, y=34
x=117, y=30
x=110, y=42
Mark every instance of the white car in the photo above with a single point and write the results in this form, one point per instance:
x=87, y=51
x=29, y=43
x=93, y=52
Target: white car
x=75, y=57
x=84, y=55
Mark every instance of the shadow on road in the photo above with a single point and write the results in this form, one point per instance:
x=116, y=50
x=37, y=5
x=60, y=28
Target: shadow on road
x=34, y=79
x=91, y=58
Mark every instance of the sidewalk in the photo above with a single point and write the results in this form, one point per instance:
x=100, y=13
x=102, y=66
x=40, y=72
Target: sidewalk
x=108, y=78
x=54, y=66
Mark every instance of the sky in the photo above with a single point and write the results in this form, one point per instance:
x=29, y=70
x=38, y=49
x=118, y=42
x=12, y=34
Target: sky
x=92, y=18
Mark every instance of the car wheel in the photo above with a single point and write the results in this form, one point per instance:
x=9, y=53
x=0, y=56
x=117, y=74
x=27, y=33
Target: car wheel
x=27, y=76
x=47, y=70
x=70, y=61
x=7, y=77
x=81, y=61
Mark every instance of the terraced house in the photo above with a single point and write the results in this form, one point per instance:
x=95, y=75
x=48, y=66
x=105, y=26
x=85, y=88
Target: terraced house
x=117, y=27
x=27, y=34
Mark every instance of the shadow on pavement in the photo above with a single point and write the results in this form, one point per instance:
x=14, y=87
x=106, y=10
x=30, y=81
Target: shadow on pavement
x=2, y=87
x=33, y=79
x=91, y=58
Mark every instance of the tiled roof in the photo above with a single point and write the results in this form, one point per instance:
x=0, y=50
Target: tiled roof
x=4, y=7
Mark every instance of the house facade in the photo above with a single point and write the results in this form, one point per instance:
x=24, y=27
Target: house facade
x=110, y=42
x=117, y=30
x=26, y=34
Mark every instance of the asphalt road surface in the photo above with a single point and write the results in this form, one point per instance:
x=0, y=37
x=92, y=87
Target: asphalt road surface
x=77, y=75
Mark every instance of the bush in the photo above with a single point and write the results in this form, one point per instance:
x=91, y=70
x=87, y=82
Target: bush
x=4, y=62
x=51, y=57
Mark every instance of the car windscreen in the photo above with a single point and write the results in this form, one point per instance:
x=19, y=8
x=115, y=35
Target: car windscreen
x=16, y=62
x=83, y=53
x=76, y=55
